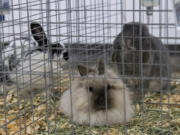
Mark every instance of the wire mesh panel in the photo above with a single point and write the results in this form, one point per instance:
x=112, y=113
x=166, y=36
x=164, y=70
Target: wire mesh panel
x=28, y=72
x=89, y=67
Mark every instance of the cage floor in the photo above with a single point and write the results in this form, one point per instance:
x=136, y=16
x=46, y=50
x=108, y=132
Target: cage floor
x=39, y=115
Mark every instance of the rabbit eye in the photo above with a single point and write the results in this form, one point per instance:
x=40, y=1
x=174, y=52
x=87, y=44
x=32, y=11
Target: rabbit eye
x=91, y=89
x=108, y=87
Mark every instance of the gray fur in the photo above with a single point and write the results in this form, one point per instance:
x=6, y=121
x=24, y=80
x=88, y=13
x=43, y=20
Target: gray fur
x=128, y=45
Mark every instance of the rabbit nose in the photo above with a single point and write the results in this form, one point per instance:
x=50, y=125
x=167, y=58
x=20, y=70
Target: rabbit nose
x=100, y=103
x=66, y=56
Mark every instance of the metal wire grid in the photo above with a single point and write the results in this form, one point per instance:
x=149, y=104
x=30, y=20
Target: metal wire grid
x=17, y=26
x=73, y=21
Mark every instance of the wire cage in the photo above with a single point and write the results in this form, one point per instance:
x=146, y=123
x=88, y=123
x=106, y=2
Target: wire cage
x=87, y=67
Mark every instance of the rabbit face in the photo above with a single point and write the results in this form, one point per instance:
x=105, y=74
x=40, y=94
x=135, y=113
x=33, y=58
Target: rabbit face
x=98, y=86
x=132, y=33
x=97, y=93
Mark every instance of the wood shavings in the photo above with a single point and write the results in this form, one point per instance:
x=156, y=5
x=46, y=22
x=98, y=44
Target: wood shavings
x=34, y=118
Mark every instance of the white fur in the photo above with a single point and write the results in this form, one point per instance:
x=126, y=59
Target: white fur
x=81, y=108
x=31, y=69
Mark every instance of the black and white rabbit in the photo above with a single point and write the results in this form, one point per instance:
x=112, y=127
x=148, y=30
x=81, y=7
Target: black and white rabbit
x=29, y=64
x=72, y=53
x=97, y=93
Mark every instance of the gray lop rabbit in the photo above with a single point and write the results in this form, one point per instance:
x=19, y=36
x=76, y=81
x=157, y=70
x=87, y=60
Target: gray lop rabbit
x=142, y=58
x=97, y=93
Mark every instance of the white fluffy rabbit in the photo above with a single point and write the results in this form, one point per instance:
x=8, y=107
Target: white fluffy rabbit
x=97, y=93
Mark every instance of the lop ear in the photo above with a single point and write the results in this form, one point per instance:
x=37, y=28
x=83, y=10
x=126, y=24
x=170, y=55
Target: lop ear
x=114, y=56
x=39, y=34
x=101, y=68
x=145, y=30
x=117, y=43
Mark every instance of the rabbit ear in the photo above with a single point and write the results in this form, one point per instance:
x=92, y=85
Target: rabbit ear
x=114, y=56
x=82, y=70
x=38, y=34
x=101, y=68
